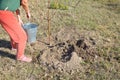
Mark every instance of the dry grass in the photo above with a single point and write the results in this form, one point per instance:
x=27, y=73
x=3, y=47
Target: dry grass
x=91, y=19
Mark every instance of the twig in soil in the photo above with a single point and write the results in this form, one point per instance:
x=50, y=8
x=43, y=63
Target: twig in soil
x=48, y=19
x=44, y=42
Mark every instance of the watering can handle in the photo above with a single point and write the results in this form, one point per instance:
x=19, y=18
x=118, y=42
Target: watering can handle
x=29, y=20
x=20, y=20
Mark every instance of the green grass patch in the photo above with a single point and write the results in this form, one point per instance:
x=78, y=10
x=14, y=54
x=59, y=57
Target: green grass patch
x=56, y=5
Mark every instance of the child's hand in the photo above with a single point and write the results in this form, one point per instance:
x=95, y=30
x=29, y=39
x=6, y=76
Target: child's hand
x=20, y=21
x=28, y=15
x=18, y=12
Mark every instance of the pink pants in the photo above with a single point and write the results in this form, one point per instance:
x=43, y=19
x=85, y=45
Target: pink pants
x=17, y=34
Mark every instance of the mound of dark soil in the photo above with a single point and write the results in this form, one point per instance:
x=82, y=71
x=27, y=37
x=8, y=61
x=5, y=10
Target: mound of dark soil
x=68, y=49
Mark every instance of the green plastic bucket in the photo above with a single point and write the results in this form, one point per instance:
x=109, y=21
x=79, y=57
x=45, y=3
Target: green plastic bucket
x=31, y=31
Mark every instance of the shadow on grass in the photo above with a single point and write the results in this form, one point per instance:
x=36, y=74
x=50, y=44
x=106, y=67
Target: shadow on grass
x=5, y=44
x=6, y=54
x=115, y=7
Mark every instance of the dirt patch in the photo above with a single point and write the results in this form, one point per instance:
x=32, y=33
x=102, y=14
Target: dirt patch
x=68, y=49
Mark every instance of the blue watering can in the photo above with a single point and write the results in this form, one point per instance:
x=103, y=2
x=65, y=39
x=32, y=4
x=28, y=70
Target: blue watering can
x=31, y=31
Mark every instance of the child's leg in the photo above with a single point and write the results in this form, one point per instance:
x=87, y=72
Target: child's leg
x=13, y=44
x=16, y=32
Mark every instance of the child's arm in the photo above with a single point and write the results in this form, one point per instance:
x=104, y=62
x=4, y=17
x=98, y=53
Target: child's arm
x=24, y=4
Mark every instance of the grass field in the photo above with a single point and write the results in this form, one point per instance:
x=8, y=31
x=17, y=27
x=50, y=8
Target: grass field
x=91, y=28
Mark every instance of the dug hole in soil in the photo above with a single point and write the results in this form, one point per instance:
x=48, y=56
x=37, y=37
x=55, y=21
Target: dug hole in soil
x=68, y=49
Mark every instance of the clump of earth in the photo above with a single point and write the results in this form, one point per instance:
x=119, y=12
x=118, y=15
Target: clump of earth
x=68, y=49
